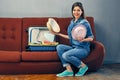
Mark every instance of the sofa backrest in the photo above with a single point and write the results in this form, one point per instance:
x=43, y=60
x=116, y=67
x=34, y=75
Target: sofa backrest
x=10, y=34
x=13, y=35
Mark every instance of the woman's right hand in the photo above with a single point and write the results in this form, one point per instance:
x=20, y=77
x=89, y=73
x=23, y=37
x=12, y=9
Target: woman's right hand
x=56, y=33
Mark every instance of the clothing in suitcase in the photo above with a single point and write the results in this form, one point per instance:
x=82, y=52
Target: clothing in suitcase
x=40, y=39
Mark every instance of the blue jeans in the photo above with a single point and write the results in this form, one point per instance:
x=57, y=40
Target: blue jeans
x=68, y=54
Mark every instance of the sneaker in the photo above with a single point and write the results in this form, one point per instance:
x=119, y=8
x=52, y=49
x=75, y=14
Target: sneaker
x=65, y=73
x=82, y=71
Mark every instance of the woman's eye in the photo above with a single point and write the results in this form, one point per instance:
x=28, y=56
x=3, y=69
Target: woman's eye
x=76, y=10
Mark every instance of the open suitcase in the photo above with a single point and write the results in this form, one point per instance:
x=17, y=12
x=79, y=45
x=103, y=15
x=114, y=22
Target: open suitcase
x=40, y=39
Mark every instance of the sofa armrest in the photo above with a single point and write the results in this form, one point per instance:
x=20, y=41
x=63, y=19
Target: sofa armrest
x=97, y=50
x=95, y=59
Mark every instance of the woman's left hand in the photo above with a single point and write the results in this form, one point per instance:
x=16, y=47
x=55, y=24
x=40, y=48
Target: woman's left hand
x=89, y=39
x=81, y=39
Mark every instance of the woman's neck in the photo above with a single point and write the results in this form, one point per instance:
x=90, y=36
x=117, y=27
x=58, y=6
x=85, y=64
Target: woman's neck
x=76, y=19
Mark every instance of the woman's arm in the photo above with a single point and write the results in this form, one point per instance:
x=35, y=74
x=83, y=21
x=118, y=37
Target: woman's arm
x=60, y=34
x=89, y=39
x=63, y=35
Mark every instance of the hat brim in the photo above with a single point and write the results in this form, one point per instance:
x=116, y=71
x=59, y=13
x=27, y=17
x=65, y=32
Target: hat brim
x=49, y=27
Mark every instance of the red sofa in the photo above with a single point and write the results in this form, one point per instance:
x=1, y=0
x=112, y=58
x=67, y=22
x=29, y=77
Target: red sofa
x=14, y=59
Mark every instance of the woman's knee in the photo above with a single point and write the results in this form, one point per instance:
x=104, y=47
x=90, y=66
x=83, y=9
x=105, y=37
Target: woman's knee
x=66, y=57
x=59, y=47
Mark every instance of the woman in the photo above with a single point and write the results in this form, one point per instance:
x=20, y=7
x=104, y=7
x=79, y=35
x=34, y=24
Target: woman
x=79, y=48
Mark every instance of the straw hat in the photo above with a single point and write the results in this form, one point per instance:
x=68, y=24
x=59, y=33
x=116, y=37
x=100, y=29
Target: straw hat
x=79, y=31
x=52, y=25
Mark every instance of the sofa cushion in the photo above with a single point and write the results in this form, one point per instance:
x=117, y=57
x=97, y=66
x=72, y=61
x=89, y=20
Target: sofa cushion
x=39, y=56
x=10, y=56
x=10, y=34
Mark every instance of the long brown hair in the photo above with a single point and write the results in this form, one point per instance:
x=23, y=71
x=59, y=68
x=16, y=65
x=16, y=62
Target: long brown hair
x=79, y=4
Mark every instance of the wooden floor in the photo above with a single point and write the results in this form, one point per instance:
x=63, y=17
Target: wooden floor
x=106, y=72
x=36, y=77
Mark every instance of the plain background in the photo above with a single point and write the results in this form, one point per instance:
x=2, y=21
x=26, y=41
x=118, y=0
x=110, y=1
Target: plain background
x=105, y=12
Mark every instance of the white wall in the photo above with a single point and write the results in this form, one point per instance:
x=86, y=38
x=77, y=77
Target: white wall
x=105, y=12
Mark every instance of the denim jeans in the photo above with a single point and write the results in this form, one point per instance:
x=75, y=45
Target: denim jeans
x=69, y=55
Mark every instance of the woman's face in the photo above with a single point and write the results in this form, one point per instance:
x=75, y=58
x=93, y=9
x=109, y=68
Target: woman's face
x=77, y=12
